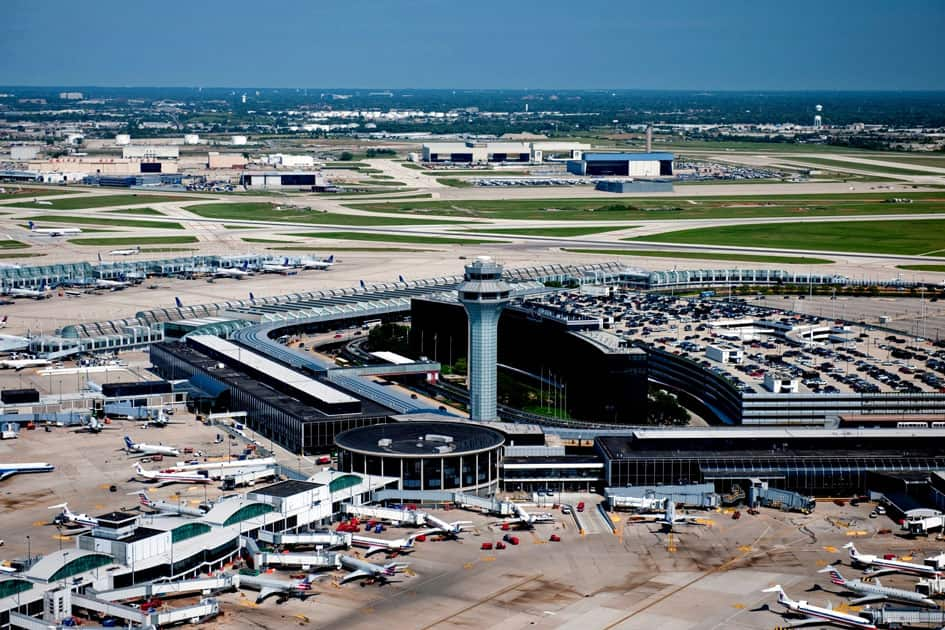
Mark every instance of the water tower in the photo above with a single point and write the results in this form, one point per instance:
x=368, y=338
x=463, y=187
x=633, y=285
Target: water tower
x=818, y=120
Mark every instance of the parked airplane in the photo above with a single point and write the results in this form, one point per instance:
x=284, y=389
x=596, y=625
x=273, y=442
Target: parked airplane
x=268, y=586
x=879, y=566
x=373, y=545
x=284, y=268
x=815, y=614
x=94, y=425
x=36, y=294
x=232, y=272
x=149, y=449
x=22, y=364
x=68, y=517
x=526, y=519
x=53, y=231
x=450, y=530
x=167, y=507
x=178, y=302
x=170, y=476
x=114, y=285
x=8, y=470
x=312, y=263
x=125, y=252
x=161, y=421
x=365, y=570
x=3, y=322
x=875, y=592
x=401, y=280
x=669, y=518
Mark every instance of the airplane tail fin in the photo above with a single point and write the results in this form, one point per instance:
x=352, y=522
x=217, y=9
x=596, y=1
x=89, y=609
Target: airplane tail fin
x=782, y=596
x=401, y=278
x=252, y=298
x=32, y=226
x=330, y=259
x=100, y=256
x=363, y=286
x=58, y=506
x=128, y=442
x=835, y=575
x=143, y=498
x=178, y=302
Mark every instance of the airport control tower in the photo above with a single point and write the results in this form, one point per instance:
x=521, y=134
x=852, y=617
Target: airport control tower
x=484, y=294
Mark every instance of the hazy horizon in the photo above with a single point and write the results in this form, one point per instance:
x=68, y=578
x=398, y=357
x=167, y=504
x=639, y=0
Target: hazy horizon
x=421, y=44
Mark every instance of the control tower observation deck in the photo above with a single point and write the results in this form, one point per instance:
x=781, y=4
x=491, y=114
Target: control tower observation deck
x=483, y=294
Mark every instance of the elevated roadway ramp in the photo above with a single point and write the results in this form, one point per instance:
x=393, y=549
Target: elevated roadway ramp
x=460, y=499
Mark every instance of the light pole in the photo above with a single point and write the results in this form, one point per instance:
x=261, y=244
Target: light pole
x=29, y=552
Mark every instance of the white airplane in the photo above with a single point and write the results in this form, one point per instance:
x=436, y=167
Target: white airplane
x=526, y=519
x=374, y=545
x=284, y=268
x=68, y=517
x=218, y=469
x=815, y=614
x=8, y=470
x=114, y=285
x=22, y=364
x=53, y=231
x=161, y=421
x=166, y=506
x=268, y=586
x=36, y=294
x=365, y=570
x=450, y=530
x=877, y=565
x=669, y=518
x=874, y=591
x=171, y=476
x=232, y=272
x=95, y=425
x=313, y=263
x=125, y=252
x=141, y=448
x=3, y=322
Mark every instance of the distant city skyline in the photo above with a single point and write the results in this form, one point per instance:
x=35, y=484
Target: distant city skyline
x=731, y=46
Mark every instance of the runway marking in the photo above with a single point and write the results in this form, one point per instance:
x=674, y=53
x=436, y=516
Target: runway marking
x=856, y=532
x=61, y=537
x=482, y=601
x=830, y=549
x=489, y=559
x=39, y=523
x=468, y=565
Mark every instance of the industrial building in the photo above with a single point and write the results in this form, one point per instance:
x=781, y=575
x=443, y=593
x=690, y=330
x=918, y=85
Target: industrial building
x=311, y=180
x=482, y=152
x=215, y=159
x=623, y=165
x=460, y=456
x=150, y=151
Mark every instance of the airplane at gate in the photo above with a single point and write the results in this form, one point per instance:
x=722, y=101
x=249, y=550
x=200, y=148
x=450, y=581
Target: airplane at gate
x=817, y=615
x=171, y=476
x=366, y=570
x=874, y=591
x=141, y=448
x=669, y=518
x=879, y=566
x=374, y=545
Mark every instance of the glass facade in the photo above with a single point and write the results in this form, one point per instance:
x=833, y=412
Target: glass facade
x=81, y=565
x=472, y=472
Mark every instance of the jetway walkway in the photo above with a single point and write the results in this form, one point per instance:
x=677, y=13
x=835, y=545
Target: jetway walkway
x=302, y=560
x=201, y=611
x=906, y=617
x=404, y=517
x=317, y=539
x=158, y=589
x=463, y=500
x=403, y=369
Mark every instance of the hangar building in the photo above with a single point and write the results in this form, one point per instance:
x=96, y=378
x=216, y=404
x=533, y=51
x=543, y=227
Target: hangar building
x=623, y=164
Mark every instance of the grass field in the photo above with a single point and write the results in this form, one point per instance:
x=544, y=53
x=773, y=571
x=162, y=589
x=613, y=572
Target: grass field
x=107, y=221
x=8, y=255
x=81, y=203
x=134, y=240
x=453, y=182
x=398, y=238
x=860, y=166
x=16, y=193
x=11, y=244
x=669, y=208
x=248, y=239
x=563, y=232
x=935, y=268
x=913, y=238
x=785, y=260
x=146, y=211
x=260, y=211
x=907, y=158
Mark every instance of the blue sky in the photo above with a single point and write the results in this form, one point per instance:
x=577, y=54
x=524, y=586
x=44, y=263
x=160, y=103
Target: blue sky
x=681, y=44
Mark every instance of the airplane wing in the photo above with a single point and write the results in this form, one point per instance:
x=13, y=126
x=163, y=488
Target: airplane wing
x=355, y=575
x=374, y=549
x=876, y=572
x=806, y=621
x=868, y=599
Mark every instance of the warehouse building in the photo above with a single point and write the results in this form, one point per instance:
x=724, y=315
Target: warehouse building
x=479, y=152
x=311, y=180
x=456, y=456
x=150, y=151
x=623, y=165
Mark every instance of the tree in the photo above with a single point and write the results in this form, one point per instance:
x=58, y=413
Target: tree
x=346, y=156
x=664, y=409
x=390, y=337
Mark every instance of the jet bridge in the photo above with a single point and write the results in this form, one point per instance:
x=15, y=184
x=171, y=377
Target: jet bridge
x=316, y=539
x=304, y=560
x=414, y=518
x=204, y=609
x=163, y=589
